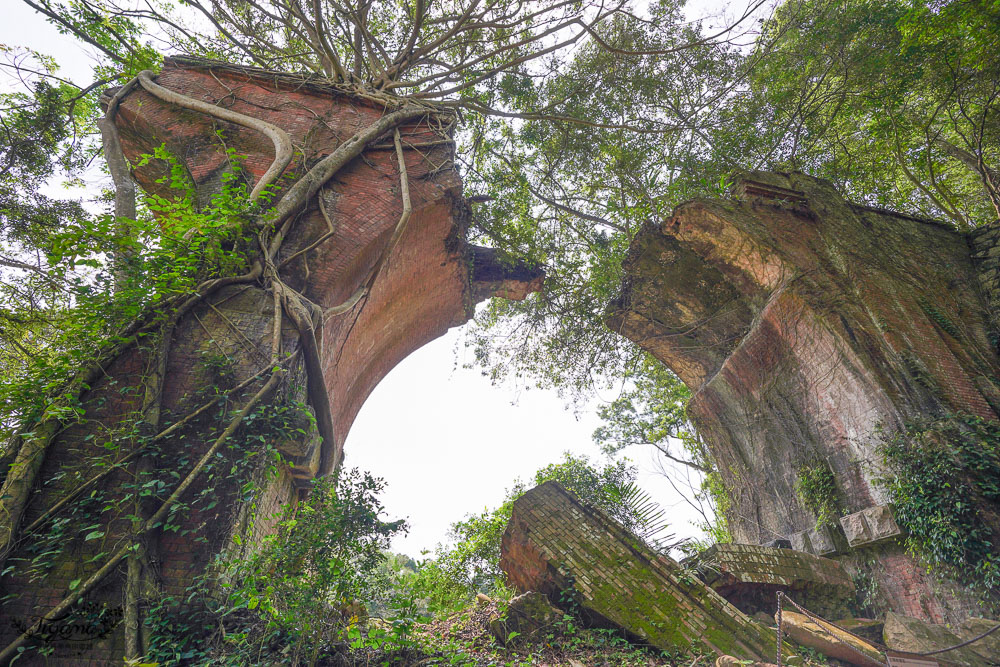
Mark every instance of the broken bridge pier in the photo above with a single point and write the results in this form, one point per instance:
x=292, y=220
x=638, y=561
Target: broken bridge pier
x=427, y=282
x=808, y=329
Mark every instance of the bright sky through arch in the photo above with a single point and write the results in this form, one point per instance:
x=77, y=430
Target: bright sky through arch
x=447, y=442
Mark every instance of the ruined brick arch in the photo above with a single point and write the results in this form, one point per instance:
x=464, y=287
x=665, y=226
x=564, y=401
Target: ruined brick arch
x=802, y=323
x=339, y=246
x=822, y=315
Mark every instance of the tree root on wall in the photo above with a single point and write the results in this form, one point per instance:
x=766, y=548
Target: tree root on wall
x=307, y=317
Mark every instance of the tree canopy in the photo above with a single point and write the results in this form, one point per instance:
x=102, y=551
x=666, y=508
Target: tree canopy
x=895, y=101
x=580, y=122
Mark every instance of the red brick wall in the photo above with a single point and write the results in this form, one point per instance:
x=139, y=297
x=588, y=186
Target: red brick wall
x=807, y=325
x=425, y=288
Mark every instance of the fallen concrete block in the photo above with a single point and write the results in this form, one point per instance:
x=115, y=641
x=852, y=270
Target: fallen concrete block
x=800, y=541
x=556, y=545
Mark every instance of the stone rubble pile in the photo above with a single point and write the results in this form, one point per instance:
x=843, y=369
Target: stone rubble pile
x=561, y=552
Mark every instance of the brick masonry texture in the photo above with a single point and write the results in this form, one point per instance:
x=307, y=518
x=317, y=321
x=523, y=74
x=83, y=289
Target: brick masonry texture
x=555, y=545
x=985, y=245
x=749, y=576
x=803, y=323
x=429, y=283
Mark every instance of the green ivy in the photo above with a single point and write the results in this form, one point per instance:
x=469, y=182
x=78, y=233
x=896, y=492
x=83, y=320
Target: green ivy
x=816, y=486
x=943, y=476
x=869, y=598
x=939, y=318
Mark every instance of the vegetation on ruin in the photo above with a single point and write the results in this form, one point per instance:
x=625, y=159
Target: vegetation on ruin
x=470, y=562
x=817, y=488
x=943, y=478
x=578, y=123
x=324, y=590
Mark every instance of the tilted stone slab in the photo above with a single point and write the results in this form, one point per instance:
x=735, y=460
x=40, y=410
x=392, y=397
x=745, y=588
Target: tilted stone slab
x=830, y=641
x=749, y=576
x=903, y=633
x=555, y=544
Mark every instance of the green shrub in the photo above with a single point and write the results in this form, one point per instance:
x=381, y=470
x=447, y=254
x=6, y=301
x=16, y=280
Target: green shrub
x=298, y=596
x=943, y=476
x=817, y=487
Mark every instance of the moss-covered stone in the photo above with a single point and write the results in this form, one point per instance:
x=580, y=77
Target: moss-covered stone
x=577, y=556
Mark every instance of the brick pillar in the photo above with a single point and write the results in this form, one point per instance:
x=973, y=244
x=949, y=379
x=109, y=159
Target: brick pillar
x=429, y=283
x=802, y=323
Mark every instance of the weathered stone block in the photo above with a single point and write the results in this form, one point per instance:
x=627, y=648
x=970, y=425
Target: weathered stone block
x=869, y=526
x=988, y=646
x=822, y=541
x=855, y=529
x=881, y=523
x=729, y=564
x=866, y=628
x=560, y=547
x=800, y=541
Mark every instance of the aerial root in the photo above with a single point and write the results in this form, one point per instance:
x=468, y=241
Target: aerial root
x=306, y=318
x=282, y=142
x=152, y=522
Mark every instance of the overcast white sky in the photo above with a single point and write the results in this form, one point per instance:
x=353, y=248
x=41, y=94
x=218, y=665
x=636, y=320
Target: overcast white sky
x=447, y=442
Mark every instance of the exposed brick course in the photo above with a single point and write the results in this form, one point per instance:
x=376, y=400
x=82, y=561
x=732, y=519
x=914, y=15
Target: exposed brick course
x=430, y=282
x=802, y=324
x=555, y=545
x=750, y=576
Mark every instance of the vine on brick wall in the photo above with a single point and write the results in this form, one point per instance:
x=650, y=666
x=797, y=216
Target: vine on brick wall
x=943, y=477
x=165, y=267
x=939, y=318
x=869, y=599
x=816, y=486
